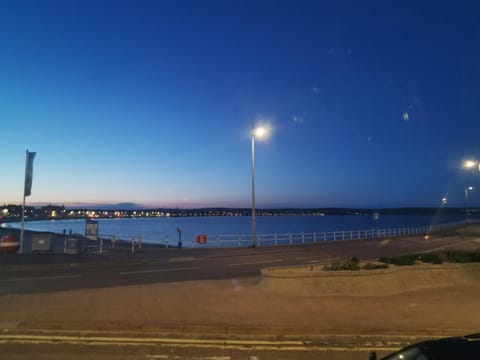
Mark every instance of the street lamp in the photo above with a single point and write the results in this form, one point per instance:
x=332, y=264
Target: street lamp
x=470, y=164
x=260, y=132
x=467, y=190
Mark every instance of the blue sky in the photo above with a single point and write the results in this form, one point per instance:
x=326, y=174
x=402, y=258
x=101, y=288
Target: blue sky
x=151, y=102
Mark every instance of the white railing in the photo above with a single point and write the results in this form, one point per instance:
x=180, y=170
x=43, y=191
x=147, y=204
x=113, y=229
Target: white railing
x=229, y=240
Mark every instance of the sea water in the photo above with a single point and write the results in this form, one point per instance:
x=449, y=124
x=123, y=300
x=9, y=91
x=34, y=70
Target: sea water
x=162, y=230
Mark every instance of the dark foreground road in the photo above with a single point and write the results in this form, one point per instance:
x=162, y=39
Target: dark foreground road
x=73, y=346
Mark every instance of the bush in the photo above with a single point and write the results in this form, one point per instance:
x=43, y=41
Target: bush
x=456, y=256
x=475, y=256
x=342, y=265
x=373, y=266
x=453, y=256
x=352, y=265
x=403, y=260
x=432, y=258
x=385, y=260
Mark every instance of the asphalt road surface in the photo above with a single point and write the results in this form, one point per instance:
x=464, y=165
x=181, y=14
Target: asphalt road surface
x=53, y=345
x=45, y=273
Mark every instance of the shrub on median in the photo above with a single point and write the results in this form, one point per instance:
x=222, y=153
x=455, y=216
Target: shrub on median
x=402, y=260
x=457, y=256
x=432, y=258
x=452, y=256
x=374, y=266
x=343, y=265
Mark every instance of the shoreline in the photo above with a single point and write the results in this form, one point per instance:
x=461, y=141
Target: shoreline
x=121, y=245
x=226, y=240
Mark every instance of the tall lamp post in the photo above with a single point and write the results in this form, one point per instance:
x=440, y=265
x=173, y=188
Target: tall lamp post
x=259, y=132
x=469, y=165
x=467, y=210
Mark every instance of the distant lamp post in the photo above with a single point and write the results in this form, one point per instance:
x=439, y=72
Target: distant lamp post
x=179, y=230
x=260, y=132
x=467, y=191
x=444, y=201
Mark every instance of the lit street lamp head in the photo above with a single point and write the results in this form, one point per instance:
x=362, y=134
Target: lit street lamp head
x=260, y=132
x=468, y=164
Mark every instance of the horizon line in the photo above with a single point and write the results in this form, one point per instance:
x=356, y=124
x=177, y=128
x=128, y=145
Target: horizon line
x=140, y=207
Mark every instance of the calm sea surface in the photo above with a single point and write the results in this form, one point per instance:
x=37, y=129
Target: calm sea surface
x=162, y=229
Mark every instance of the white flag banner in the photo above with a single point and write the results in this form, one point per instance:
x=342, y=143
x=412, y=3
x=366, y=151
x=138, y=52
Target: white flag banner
x=29, y=173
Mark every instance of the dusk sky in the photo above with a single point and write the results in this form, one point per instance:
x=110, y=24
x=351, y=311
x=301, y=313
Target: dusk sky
x=372, y=103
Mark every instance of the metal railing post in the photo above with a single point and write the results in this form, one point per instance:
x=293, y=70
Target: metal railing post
x=290, y=238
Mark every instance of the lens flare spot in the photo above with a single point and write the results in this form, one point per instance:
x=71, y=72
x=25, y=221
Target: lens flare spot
x=384, y=242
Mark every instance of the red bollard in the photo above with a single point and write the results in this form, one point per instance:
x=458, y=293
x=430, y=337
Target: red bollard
x=9, y=244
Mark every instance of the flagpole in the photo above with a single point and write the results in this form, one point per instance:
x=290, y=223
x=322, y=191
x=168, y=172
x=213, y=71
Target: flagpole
x=23, y=208
x=27, y=190
x=23, y=226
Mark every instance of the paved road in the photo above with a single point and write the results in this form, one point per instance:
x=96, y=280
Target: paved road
x=51, y=345
x=44, y=273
